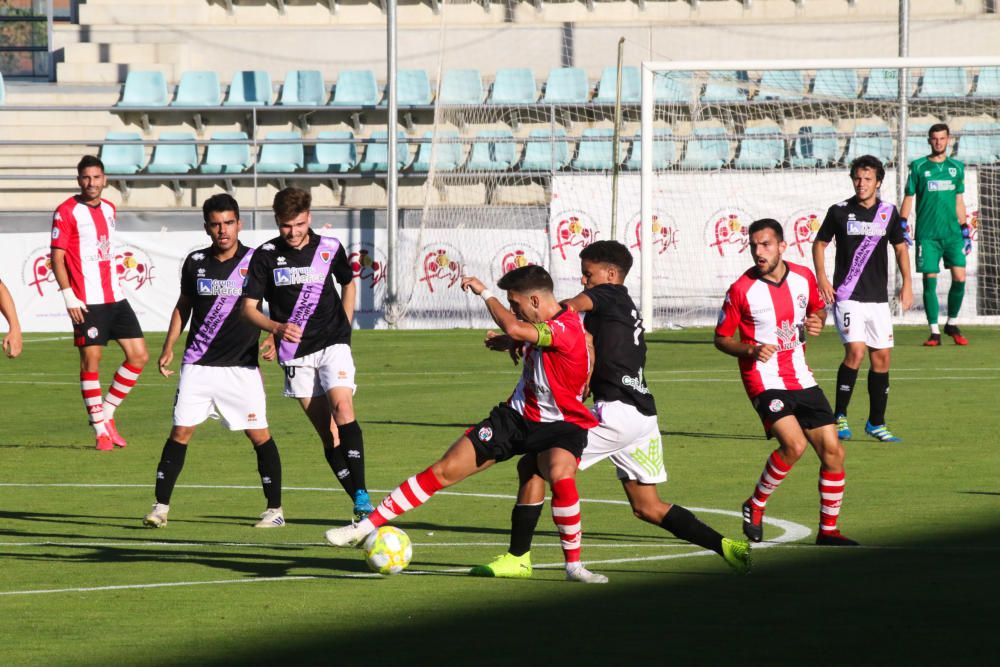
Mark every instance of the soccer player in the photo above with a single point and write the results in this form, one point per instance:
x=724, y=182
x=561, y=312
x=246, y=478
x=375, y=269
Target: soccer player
x=863, y=227
x=83, y=252
x=773, y=305
x=544, y=416
x=938, y=181
x=219, y=373
x=12, y=342
x=297, y=273
x=628, y=432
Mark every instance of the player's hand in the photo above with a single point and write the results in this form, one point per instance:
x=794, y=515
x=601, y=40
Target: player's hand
x=967, y=239
x=268, y=351
x=474, y=284
x=825, y=289
x=13, y=344
x=74, y=306
x=907, y=236
x=502, y=342
x=288, y=331
x=906, y=298
x=165, y=358
x=814, y=323
x=763, y=352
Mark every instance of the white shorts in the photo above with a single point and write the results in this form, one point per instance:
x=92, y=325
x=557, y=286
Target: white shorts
x=630, y=439
x=319, y=372
x=234, y=394
x=864, y=322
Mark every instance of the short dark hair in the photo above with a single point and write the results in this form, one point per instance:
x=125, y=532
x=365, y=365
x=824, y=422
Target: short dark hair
x=290, y=203
x=868, y=162
x=938, y=127
x=767, y=223
x=527, y=279
x=88, y=161
x=219, y=204
x=609, y=252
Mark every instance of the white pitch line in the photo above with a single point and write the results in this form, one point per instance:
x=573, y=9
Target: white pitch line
x=282, y=545
x=168, y=584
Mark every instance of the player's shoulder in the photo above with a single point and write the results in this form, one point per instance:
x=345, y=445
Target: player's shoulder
x=800, y=270
x=955, y=164
x=105, y=202
x=267, y=248
x=918, y=163
x=199, y=255
x=741, y=285
x=65, y=208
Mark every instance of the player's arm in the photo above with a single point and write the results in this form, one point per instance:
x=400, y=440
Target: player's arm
x=281, y=330
x=178, y=320
x=580, y=303
x=12, y=342
x=819, y=262
x=505, y=319
x=903, y=262
x=906, y=207
x=591, y=360
x=735, y=348
x=74, y=307
x=349, y=297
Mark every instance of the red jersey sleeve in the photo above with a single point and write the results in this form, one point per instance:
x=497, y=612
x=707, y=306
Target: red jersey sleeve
x=62, y=228
x=730, y=315
x=816, y=301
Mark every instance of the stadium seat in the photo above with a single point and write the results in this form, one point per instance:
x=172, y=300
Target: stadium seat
x=250, y=88
x=677, y=87
x=882, y=84
x=871, y=139
x=227, y=158
x=944, y=82
x=566, y=85
x=514, y=86
x=174, y=158
x=118, y=159
x=631, y=86
x=281, y=158
x=493, y=155
x=355, y=88
x=462, y=86
x=815, y=146
x=836, y=83
x=763, y=147
x=545, y=151
x=304, y=87
x=979, y=148
x=336, y=158
x=916, y=140
x=709, y=149
x=725, y=86
x=413, y=88
x=145, y=89
x=598, y=155
x=448, y=156
x=664, y=152
x=781, y=85
x=377, y=154
x=988, y=82
x=198, y=89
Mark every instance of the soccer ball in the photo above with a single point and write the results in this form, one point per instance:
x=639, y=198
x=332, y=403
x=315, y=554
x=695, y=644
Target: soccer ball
x=388, y=550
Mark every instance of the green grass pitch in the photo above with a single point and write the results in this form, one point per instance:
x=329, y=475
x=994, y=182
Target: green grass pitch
x=81, y=582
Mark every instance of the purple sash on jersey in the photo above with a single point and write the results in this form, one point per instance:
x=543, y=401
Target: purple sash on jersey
x=308, y=299
x=217, y=315
x=864, y=252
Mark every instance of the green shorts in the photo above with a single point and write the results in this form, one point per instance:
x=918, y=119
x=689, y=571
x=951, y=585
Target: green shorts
x=930, y=252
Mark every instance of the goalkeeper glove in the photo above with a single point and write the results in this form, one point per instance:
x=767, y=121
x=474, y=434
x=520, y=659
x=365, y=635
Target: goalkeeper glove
x=967, y=238
x=906, y=231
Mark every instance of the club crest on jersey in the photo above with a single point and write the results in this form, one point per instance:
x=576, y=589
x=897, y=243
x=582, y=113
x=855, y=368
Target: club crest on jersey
x=92, y=332
x=326, y=256
x=775, y=406
x=485, y=434
x=802, y=300
x=953, y=172
x=243, y=271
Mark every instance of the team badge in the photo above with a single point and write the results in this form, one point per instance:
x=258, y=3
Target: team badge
x=243, y=272
x=92, y=332
x=802, y=301
x=485, y=434
x=55, y=231
x=775, y=406
x=953, y=172
x=326, y=256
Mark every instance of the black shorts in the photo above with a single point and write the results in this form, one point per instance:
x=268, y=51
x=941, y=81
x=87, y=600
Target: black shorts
x=808, y=406
x=505, y=434
x=106, y=321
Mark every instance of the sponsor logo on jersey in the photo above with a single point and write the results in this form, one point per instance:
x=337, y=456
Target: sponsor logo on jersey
x=788, y=336
x=635, y=383
x=215, y=287
x=296, y=275
x=775, y=406
x=37, y=271
x=858, y=228
x=940, y=186
x=572, y=229
x=442, y=265
x=485, y=434
x=280, y=261
x=201, y=271
x=726, y=231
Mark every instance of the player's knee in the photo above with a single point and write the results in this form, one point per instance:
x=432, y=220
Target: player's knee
x=650, y=510
x=181, y=434
x=138, y=358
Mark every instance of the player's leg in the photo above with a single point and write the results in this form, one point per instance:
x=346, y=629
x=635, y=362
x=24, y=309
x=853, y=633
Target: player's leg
x=955, y=259
x=90, y=389
x=832, y=481
x=317, y=409
x=126, y=330
x=928, y=262
x=352, y=445
x=516, y=563
x=269, y=469
x=849, y=319
x=169, y=468
x=878, y=395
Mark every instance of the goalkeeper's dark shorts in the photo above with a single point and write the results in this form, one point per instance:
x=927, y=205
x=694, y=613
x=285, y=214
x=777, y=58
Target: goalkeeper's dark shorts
x=808, y=406
x=505, y=434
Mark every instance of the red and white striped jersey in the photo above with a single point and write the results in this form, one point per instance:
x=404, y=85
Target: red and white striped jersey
x=555, y=374
x=772, y=313
x=86, y=233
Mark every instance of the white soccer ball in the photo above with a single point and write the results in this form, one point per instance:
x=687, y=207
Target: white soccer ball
x=388, y=550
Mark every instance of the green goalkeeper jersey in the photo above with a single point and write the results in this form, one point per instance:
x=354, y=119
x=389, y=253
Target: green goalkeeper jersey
x=936, y=185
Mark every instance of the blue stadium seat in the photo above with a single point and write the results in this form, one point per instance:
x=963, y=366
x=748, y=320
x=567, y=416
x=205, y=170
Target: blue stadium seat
x=304, y=87
x=782, y=85
x=493, y=155
x=355, y=88
x=120, y=159
x=448, y=156
x=916, y=140
x=281, y=158
x=944, y=82
x=631, y=86
x=462, y=86
x=377, y=154
x=836, y=83
x=598, y=155
x=174, y=158
x=677, y=87
x=709, y=149
x=979, y=148
x=988, y=82
x=664, y=151
x=566, y=85
x=514, y=86
x=815, y=146
x=725, y=86
x=413, y=88
x=250, y=88
x=763, y=147
x=545, y=151
x=198, y=89
x=883, y=84
x=145, y=89
x=871, y=139
x=336, y=158
x=227, y=158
